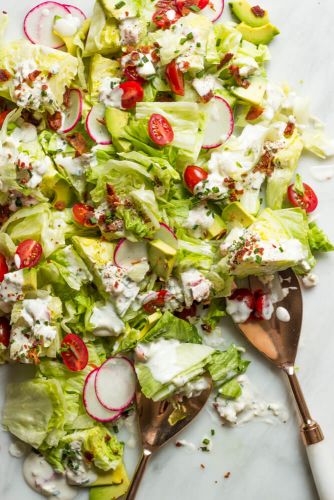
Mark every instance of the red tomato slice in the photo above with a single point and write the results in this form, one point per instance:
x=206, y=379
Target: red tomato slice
x=74, y=352
x=160, y=17
x=263, y=305
x=193, y=175
x=3, y=267
x=308, y=201
x=175, y=78
x=4, y=331
x=186, y=6
x=30, y=253
x=160, y=130
x=159, y=301
x=84, y=215
x=244, y=295
x=133, y=92
x=3, y=115
x=131, y=73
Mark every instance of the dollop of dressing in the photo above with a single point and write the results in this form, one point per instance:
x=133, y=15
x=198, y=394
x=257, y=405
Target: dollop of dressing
x=282, y=314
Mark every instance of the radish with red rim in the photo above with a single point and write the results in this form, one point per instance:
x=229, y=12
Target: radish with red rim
x=38, y=23
x=167, y=235
x=115, y=384
x=219, y=123
x=95, y=126
x=73, y=112
x=76, y=12
x=214, y=10
x=93, y=405
x=128, y=253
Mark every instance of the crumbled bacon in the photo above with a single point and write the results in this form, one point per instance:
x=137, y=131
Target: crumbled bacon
x=33, y=355
x=4, y=75
x=254, y=113
x=266, y=164
x=116, y=225
x=112, y=199
x=4, y=213
x=164, y=97
x=207, y=97
x=33, y=75
x=235, y=73
x=55, y=120
x=226, y=59
x=28, y=116
x=289, y=129
x=258, y=11
x=66, y=98
x=77, y=141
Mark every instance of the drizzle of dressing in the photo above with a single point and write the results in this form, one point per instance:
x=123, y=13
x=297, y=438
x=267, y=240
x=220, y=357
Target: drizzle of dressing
x=282, y=314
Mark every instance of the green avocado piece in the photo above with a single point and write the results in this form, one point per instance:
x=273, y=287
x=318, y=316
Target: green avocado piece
x=162, y=258
x=217, y=229
x=261, y=35
x=110, y=485
x=29, y=280
x=62, y=195
x=235, y=215
x=243, y=11
x=116, y=121
x=93, y=251
x=252, y=94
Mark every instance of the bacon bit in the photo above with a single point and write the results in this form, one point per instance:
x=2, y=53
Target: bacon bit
x=28, y=116
x=207, y=97
x=4, y=213
x=55, y=120
x=77, y=141
x=202, y=466
x=32, y=354
x=155, y=56
x=254, y=112
x=206, y=328
x=88, y=456
x=44, y=87
x=33, y=75
x=258, y=11
x=178, y=444
x=4, y=75
x=235, y=73
x=230, y=183
x=226, y=59
x=289, y=129
x=112, y=199
x=265, y=165
x=164, y=97
x=107, y=438
x=60, y=205
x=227, y=475
x=66, y=98
x=116, y=225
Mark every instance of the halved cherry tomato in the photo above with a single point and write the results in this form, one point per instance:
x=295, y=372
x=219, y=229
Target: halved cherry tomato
x=157, y=302
x=84, y=215
x=160, y=16
x=131, y=73
x=263, y=305
x=3, y=115
x=175, y=78
x=74, y=352
x=133, y=92
x=186, y=6
x=308, y=201
x=160, y=130
x=29, y=252
x=244, y=295
x=193, y=175
x=4, y=331
x=3, y=267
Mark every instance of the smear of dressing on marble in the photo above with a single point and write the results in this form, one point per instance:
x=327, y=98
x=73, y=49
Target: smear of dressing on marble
x=187, y=444
x=322, y=172
x=18, y=449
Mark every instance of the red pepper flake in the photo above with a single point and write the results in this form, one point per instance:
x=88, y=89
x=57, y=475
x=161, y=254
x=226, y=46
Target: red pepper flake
x=289, y=129
x=235, y=73
x=78, y=142
x=4, y=75
x=226, y=59
x=258, y=11
x=33, y=75
x=227, y=475
x=254, y=113
x=265, y=165
x=55, y=120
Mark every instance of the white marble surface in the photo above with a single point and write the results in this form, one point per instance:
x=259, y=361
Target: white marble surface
x=267, y=462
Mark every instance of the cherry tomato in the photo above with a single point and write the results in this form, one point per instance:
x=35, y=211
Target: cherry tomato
x=3, y=267
x=131, y=73
x=175, y=78
x=193, y=175
x=244, y=295
x=308, y=201
x=157, y=302
x=160, y=17
x=84, y=215
x=29, y=252
x=133, y=92
x=186, y=6
x=263, y=305
x=74, y=352
x=3, y=115
x=4, y=331
x=160, y=130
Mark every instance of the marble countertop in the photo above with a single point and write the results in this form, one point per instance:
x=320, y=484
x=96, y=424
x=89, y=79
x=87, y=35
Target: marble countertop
x=265, y=461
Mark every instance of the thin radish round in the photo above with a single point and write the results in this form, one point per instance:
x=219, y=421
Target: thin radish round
x=128, y=253
x=95, y=125
x=38, y=24
x=115, y=384
x=76, y=12
x=219, y=124
x=92, y=404
x=167, y=235
x=73, y=111
x=213, y=10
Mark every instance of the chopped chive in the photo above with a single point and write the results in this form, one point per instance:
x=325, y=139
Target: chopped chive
x=194, y=8
x=218, y=42
x=120, y=4
x=213, y=432
x=206, y=441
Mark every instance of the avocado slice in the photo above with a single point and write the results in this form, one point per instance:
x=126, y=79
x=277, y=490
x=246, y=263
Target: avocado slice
x=254, y=93
x=110, y=485
x=151, y=320
x=161, y=257
x=93, y=251
x=245, y=13
x=235, y=215
x=62, y=195
x=116, y=121
x=217, y=228
x=261, y=35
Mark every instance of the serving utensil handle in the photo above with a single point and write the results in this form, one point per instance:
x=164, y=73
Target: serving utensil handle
x=321, y=457
x=138, y=475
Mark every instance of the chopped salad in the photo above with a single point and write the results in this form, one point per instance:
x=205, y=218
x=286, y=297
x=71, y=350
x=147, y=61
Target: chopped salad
x=147, y=164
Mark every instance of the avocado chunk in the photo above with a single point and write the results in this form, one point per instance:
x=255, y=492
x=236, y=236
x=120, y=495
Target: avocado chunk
x=151, y=320
x=62, y=195
x=235, y=215
x=261, y=35
x=162, y=258
x=253, y=16
x=254, y=93
x=217, y=228
x=116, y=121
x=110, y=485
x=93, y=251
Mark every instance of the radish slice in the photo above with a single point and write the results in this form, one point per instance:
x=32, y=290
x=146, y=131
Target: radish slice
x=95, y=125
x=219, y=124
x=213, y=10
x=93, y=405
x=167, y=235
x=73, y=112
x=76, y=12
x=38, y=24
x=128, y=253
x=115, y=384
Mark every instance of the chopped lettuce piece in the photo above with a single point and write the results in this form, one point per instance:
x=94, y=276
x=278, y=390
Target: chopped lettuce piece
x=103, y=35
x=318, y=240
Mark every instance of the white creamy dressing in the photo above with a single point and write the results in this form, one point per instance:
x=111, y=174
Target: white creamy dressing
x=195, y=286
x=199, y=220
x=193, y=388
x=214, y=338
x=310, y=280
x=187, y=444
x=67, y=26
x=77, y=471
x=122, y=289
x=105, y=321
x=34, y=95
x=11, y=289
x=247, y=65
x=130, y=29
x=282, y=314
x=238, y=310
x=205, y=85
x=111, y=93
x=18, y=449
x=143, y=62
x=274, y=97
x=42, y=478
x=73, y=166
x=175, y=294
x=322, y=172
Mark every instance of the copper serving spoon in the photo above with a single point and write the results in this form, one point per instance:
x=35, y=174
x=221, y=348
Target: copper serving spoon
x=278, y=341
x=155, y=420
